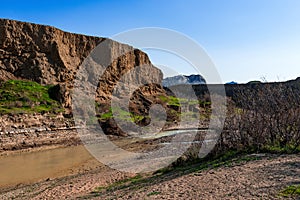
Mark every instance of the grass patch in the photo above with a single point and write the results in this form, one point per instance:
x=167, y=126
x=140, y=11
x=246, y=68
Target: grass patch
x=291, y=191
x=19, y=96
x=119, y=184
x=287, y=149
x=227, y=159
x=153, y=193
x=121, y=115
x=174, y=101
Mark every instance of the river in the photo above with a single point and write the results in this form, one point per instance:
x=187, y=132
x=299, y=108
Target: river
x=34, y=166
x=28, y=167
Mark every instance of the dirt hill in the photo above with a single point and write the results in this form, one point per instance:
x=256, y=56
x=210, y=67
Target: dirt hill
x=47, y=55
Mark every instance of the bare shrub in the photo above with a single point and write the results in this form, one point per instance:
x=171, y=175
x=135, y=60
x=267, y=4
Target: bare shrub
x=264, y=115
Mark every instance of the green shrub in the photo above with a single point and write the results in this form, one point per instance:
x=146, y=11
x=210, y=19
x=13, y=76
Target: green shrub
x=293, y=190
x=20, y=96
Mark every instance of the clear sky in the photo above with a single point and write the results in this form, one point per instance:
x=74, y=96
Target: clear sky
x=246, y=39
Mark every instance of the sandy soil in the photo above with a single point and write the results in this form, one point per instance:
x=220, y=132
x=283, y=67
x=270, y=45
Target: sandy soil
x=257, y=179
x=66, y=188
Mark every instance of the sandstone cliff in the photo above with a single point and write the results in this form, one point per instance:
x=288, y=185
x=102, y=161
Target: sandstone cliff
x=41, y=53
x=48, y=55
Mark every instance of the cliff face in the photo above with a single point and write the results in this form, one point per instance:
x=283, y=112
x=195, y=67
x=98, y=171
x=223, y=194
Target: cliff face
x=48, y=55
x=41, y=53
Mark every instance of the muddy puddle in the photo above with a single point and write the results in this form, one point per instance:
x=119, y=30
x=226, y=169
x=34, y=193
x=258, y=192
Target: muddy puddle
x=30, y=167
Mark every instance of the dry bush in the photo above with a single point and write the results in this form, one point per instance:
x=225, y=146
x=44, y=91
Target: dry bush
x=263, y=116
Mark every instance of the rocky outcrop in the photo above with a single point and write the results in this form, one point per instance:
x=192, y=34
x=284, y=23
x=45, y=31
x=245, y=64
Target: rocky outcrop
x=19, y=122
x=41, y=53
x=23, y=131
x=48, y=55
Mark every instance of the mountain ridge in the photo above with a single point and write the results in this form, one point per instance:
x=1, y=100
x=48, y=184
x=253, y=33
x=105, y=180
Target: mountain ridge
x=192, y=79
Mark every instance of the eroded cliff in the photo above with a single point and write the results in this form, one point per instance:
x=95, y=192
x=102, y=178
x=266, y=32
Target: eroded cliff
x=47, y=55
x=50, y=56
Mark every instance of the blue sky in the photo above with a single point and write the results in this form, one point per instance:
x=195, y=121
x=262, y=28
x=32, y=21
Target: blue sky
x=246, y=39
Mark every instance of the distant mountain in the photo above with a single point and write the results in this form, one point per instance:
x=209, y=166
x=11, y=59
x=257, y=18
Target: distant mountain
x=232, y=83
x=194, y=79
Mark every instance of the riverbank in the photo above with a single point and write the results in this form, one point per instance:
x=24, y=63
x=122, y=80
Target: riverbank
x=26, y=132
x=255, y=176
x=25, y=166
x=80, y=182
x=20, y=132
x=28, y=165
x=79, y=175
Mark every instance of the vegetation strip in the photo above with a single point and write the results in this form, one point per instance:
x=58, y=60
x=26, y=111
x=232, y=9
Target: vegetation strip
x=20, y=96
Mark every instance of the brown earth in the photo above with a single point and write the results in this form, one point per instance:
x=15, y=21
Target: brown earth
x=262, y=178
x=48, y=55
x=259, y=179
x=28, y=131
